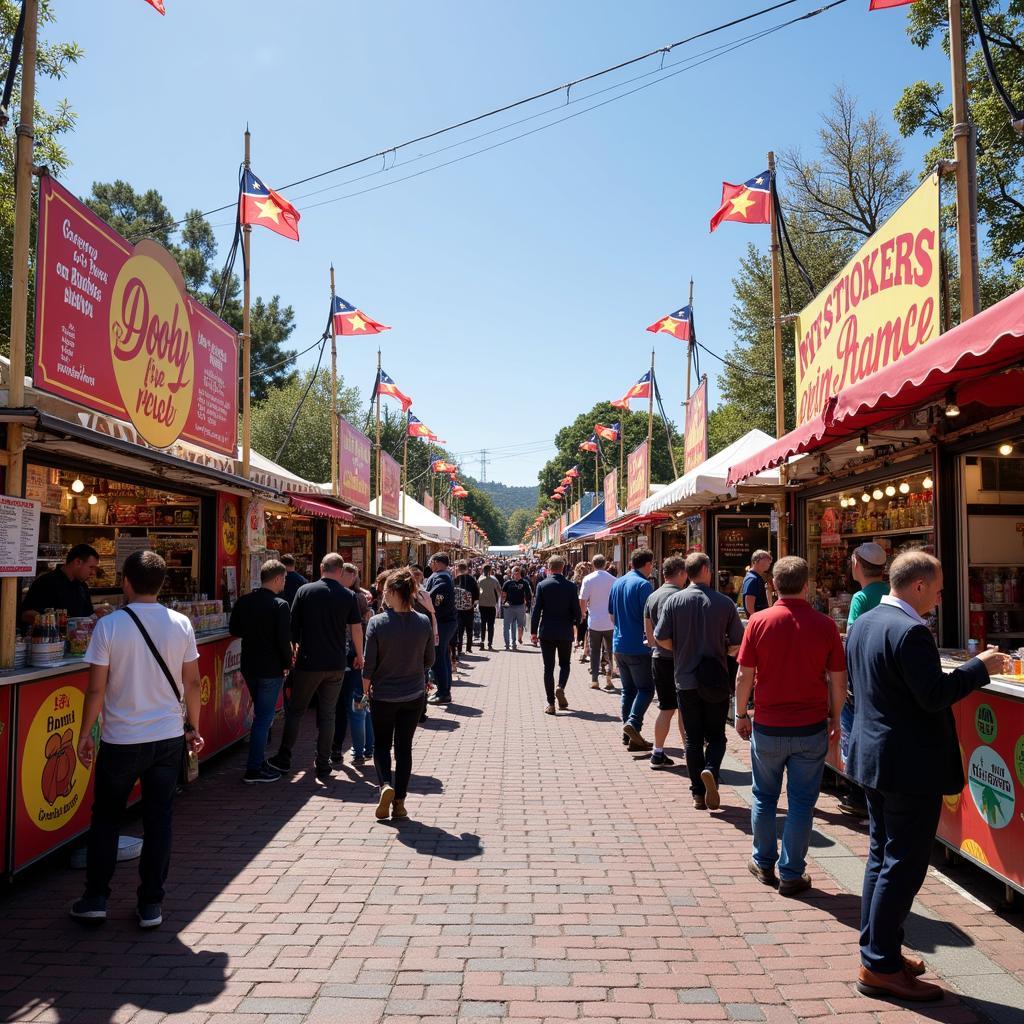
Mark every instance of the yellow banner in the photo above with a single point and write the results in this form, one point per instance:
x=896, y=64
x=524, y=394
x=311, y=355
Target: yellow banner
x=882, y=305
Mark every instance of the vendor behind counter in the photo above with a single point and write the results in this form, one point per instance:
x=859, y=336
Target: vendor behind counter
x=65, y=587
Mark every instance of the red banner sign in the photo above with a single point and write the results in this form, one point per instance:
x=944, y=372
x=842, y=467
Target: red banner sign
x=636, y=477
x=117, y=332
x=696, y=450
x=354, y=453
x=428, y=501
x=611, y=492
x=391, y=486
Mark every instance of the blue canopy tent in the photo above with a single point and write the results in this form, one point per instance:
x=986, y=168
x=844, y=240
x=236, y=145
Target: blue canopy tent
x=592, y=522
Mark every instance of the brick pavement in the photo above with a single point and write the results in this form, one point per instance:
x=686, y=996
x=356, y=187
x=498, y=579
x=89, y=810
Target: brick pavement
x=547, y=875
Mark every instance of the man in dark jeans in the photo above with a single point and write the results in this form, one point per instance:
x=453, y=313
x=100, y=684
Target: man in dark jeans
x=466, y=581
x=144, y=737
x=263, y=621
x=442, y=592
x=320, y=614
x=694, y=624
x=556, y=612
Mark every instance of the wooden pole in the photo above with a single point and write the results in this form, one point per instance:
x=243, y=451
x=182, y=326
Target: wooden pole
x=689, y=356
x=376, y=388
x=405, y=463
x=619, y=499
x=780, y=395
x=650, y=426
x=246, y=340
x=597, y=480
x=14, y=456
x=335, y=433
x=966, y=193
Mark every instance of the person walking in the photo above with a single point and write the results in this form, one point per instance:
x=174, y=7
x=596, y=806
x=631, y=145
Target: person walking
x=467, y=594
x=786, y=655
x=490, y=595
x=905, y=753
x=516, y=596
x=262, y=620
x=582, y=570
x=594, y=594
x=673, y=572
x=701, y=628
x=399, y=651
x=143, y=664
x=754, y=592
x=349, y=715
x=320, y=614
x=556, y=611
x=293, y=579
x=626, y=602
x=442, y=594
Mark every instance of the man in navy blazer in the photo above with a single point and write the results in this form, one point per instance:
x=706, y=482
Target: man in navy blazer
x=556, y=611
x=904, y=752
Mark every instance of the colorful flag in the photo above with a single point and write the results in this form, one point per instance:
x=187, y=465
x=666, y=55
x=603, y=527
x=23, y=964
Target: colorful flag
x=440, y=466
x=607, y=433
x=749, y=203
x=348, y=320
x=573, y=473
x=641, y=389
x=262, y=205
x=386, y=386
x=157, y=5
x=679, y=324
x=881, y=5
x=417, y=428
x=590, y=445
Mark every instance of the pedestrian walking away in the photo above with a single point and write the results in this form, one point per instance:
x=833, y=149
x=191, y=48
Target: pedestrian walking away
x=293, y=581
x=582, y=570
x=904, y=752
x=399, y=651
x=516, y=596
x=556, y=611
x=490, y=595
x=262, y=620
x=626, y=601
x=320, y=614
x=786, y=655
x=441, y=589
x=701, y=627
x=467, y=594
x=143, y=665
x=673, y=572
x=594, y=594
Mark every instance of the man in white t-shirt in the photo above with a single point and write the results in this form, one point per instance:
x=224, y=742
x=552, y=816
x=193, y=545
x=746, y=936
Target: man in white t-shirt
x=594, y=593
x=143, y=734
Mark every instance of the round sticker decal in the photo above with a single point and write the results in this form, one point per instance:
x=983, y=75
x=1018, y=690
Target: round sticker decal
x=1018, y=759
x=991, y=787
x=985, y=723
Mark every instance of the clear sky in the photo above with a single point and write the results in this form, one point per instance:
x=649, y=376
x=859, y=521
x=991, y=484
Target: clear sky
x=519, y=281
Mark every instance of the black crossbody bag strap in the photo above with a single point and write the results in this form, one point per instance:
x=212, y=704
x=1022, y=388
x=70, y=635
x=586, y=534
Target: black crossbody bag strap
x=160, y=661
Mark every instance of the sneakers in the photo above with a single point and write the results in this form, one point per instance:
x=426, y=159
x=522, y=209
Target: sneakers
x=550, y=709
x=262, y=774
x=625, y=740
x=150, y=915
x=595, y=685
x=89, y=908
x=357, y=759
x=324, y=772
x=337, y=758
x=794, y=886
x=398, y=811
x=659, y=759
x=387, y=798
x=766, y=876
x=279, y=764
x=636, y=741
x=563, y=704
x=856, y=810
x=439, y=700
x=609, y=685
x=699, y=804
x=711, y=797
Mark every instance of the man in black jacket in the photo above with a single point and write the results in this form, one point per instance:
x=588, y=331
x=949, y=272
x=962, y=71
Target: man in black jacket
x=904, y=752
x=442, y=593
x=263, y=621
x=465, y=581
x=556, y=612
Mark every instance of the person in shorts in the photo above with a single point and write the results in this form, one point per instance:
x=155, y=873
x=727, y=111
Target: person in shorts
x=673, y=572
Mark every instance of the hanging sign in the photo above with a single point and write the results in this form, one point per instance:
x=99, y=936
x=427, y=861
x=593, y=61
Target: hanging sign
x=390, y=486
x=611, y=490
x=636, y=477
x=882, y=306
x=428, y=501
x=117, y=331
x=354, y=453
x=696, y=444
x=255, y=527
x=443, y=512
x=19, y=536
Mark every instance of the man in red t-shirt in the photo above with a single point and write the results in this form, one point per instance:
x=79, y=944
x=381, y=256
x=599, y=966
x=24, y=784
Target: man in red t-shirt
x=787, y=653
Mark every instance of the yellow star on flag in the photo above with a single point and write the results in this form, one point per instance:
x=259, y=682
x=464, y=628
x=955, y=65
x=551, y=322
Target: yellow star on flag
x=668, y=325
x=742, y=203
x=269, y=210
x=357, y=323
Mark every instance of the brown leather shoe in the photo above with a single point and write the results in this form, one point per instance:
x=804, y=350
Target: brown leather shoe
x=913, y=965
x=563, y=704
x=550, y=709
x=766, y=876
x=595, y=685
x=641, y=747
x=794, y=886
x=699, y=804
x=633, y=734
x=896, y=986
x=714, y=801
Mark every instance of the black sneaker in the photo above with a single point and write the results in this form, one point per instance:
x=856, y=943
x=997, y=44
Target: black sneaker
x=280, y=765
x=262, y=774
x=337, y=758
x=625, y=740
x=150, y=915
x=89, y=908
x=439, y=700
x=324, y=772
x=660, y=760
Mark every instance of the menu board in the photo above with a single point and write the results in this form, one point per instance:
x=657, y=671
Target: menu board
x=126, y=545
x=19, y=536
x=738, y=537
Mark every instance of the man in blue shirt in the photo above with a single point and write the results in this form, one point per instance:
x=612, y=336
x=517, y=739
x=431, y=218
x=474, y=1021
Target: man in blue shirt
x=626, y=604
x=754, y=595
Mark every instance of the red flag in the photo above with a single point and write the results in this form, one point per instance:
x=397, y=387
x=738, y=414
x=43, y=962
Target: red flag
x=749, y=203
x=678, y=324
x=262, y=205
x=881, y=5
x=386, y=386
x=348, y=320
x=157, y=5
x=641, y=389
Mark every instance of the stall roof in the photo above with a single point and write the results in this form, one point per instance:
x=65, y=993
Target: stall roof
x=708, y=482
x=422, y=520
x=320, y=507
x=592, y=522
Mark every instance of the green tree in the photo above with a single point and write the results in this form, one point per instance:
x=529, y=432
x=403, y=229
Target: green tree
x=53, y=61
x=518, y=521
x=487, y=515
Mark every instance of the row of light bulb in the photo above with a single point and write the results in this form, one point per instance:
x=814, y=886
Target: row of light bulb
x=890, y=491
x=77, y=485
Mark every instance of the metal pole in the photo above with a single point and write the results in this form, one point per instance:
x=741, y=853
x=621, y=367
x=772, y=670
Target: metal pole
x=780, y=400
x=376, y=388
x=335, y=433
x=405, y=463
x=246, y=340
x=650, y=426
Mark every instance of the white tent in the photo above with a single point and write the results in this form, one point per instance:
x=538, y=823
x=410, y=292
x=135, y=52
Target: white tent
x=707, y=482
x=419, y=517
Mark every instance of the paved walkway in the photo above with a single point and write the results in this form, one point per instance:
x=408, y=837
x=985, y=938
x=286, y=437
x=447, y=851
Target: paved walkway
x=549, y=875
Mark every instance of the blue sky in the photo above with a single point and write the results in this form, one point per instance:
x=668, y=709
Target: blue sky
x=518, y=282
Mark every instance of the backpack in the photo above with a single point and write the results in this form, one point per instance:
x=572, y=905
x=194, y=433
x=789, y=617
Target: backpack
x=463, y=600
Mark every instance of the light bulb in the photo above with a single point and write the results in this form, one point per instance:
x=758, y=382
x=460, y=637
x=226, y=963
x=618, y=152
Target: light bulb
x=890, y=490
x=927, y=483
x=1006, y=449
x=93, y=499
x=877, y=494
x=952, y=409
x=77, y=485
x=865, y=497
x=863, y=442
x=904, y=487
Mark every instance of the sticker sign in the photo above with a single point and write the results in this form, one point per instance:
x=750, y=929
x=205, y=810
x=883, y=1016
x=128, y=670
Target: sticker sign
x=19, y=536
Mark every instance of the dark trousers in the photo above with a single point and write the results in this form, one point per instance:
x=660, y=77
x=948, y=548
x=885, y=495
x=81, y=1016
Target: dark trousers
x=902, y=831
x=394, y=724
x=443, y=658
x=351, y=683
x=465, y=625
x=704, y=723
x=326, y=685
x=487, y=625
x=118, y=766
x=561, y=647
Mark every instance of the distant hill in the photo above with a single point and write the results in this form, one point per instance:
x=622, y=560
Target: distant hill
x=506, y=498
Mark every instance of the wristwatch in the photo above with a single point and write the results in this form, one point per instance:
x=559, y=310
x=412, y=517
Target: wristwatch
x=745, y=718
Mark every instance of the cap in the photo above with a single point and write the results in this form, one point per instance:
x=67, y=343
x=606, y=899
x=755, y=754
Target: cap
x=871, y=554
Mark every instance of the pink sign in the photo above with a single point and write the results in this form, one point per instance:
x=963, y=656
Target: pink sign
x=611, y=499
x=116, y=331
x=391, y=486
x=636, y=477
x=354, y=452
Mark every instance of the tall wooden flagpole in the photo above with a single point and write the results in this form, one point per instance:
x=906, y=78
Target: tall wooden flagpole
x=780, y=394
x=620, y=501
x=650, y=425
x=405, y=463
x=376, y=388
x=14, y=457
x=246, y=340
x=335, y=433
x=597, y=479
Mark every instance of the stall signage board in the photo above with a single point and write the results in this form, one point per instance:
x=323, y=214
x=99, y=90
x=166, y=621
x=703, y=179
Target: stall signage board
x=255, y=526
x=611, y=491
x=117, y=332
x=636, y=477
x=696, y=443
x=354, y=450
x=19, y=536
x=444, y=512
x=390, y=486
x=881, y=306
x=428, y=501
x=127, y=545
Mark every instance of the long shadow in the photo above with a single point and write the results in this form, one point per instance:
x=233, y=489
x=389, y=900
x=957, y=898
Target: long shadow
x=463, y=711
x=731, y=777
x=431, y=841
x=594, y=716
x=437, y=724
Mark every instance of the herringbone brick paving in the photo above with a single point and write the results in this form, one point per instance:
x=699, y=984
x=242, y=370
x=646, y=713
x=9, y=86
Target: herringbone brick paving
x=546, y=875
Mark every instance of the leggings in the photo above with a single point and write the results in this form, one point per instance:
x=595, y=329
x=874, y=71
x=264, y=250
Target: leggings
x=394, y=723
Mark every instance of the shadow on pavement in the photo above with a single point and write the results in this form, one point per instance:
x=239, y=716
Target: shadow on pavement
x=432, y=841
x=438, y=724
x=595, y=716
x=463, y=711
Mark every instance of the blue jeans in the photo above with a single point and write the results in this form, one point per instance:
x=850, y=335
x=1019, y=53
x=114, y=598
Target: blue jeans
x=359, y=723
x=443, y=659
x=264, y=693
x=637, y=687
x=802, y=758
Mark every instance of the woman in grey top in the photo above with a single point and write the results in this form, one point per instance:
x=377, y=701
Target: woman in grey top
x=399, y=650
